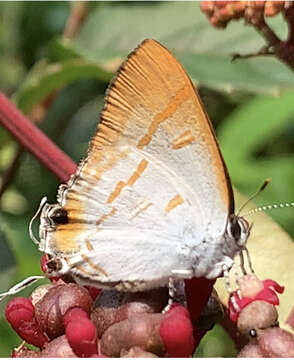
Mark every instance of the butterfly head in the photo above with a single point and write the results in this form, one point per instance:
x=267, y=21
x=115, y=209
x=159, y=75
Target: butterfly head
x=51, y=216
x=237, y=232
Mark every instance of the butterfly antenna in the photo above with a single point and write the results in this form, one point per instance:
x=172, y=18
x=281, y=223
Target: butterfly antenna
x=32, y=236
x=263, y=186
x=21, y=285
x=270, y=207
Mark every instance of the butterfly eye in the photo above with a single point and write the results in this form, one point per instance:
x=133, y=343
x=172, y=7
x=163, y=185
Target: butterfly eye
x=59, y=216
x=236, y=230
x=54, y=265
x=252, y=333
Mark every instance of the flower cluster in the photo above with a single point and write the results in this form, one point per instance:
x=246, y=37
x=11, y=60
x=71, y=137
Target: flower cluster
x=220, y=13
x=64, y=319
x=251, y=290
x=253, y=309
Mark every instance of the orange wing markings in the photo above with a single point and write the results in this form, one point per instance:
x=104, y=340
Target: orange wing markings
x=89, y=245
x=141, y=209
x=66, y=234
x=138, y=172
x=115, y=193
x=106, y=160
x=183, y=140
x=121, y=184
x=106, y=216
x=181, y=96
x=174, y=202
x=93, y=265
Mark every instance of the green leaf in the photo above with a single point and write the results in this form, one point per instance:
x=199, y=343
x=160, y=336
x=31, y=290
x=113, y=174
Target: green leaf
x=217, y=71
x=45, y=78
x=60, y=49
x=7, y=261
x=25, y=254
x=204, y=51
x=257, y=121
x=216, y=343
x=247, y=131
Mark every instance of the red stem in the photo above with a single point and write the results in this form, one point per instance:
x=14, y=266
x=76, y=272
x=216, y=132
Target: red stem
x=35, y=141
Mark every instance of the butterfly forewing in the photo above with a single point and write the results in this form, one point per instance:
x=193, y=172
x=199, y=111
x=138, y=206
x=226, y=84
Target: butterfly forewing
x=154, y=182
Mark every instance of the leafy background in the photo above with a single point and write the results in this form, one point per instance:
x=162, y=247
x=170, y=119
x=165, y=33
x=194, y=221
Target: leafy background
x=250, y=103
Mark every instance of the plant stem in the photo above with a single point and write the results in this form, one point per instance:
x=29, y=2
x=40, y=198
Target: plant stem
x=76, y=17
x=283, y=50
x=35, y=141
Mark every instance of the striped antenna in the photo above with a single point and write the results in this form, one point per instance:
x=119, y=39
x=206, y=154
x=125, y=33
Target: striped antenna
x=263, y=186
x=270, y=207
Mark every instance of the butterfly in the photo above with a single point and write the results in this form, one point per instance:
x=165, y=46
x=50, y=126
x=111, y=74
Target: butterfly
x=153, y=199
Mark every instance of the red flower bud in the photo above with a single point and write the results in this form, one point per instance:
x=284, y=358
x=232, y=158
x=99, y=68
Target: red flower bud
x=74, y=314
x=82, y=337
x=177, y=333
x=20, y=313
x=252, y=289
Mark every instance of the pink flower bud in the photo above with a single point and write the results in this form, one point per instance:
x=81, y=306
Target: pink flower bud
x=138, y=330
x=58, y=348
x=56, y=302
x=257, y=315
x=272, y=8
x=251, y=351
x=276, y=342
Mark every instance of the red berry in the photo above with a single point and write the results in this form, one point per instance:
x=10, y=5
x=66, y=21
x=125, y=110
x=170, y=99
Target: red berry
x=82, y=337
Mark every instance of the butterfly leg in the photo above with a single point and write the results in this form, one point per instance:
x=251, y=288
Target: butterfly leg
x=176, y=291
x=249, y=261
x=228, y=287
x=242, y=262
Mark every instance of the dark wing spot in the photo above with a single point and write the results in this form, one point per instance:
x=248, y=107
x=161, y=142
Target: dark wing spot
x=59, y=216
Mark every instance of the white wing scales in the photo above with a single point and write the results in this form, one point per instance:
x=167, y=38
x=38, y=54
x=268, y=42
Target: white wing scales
x=152, y=198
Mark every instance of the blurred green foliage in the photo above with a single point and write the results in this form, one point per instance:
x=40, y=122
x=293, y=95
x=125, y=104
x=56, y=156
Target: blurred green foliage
x=250, y=103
